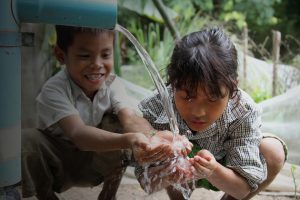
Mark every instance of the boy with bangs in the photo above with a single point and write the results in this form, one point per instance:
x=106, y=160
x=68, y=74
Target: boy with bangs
x=70, y=148
x=222, y=121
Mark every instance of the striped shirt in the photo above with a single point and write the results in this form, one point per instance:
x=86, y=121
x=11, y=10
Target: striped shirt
x=234, y=138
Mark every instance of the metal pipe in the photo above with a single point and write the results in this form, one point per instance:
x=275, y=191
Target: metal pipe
x=10, y=101
x=88, y=13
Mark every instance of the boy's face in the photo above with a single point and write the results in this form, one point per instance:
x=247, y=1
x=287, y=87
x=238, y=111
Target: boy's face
x=199, y=112
x=89, y=60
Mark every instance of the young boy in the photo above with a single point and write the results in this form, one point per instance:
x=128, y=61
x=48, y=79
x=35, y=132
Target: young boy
x=68, y=149
x=220, y=119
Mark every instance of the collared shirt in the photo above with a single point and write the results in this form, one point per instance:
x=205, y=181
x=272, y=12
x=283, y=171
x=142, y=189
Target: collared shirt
x=61, y=97
x=235, y=137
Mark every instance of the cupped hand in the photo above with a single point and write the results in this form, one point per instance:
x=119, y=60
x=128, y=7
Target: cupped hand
x=180, y=144
x=159, y=147
x=204, y=164
x=170, y=172
x=147, y=150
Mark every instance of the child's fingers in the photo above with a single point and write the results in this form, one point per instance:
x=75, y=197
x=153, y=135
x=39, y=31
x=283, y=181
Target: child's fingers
x=205, y=154
x=158, y=153
x=200, y=171
x=157, y=170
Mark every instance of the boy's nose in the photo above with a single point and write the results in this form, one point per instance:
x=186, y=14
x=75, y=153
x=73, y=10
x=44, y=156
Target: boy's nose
x=198, y=111
x=97, y=63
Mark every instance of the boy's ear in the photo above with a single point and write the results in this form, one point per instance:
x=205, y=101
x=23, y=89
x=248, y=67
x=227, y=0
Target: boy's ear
x=59, y=54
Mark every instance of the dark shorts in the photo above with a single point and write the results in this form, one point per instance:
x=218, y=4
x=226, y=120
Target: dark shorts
x=54, y=164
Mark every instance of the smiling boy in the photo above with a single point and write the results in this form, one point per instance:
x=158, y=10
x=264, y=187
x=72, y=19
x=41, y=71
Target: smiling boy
x=71, y=146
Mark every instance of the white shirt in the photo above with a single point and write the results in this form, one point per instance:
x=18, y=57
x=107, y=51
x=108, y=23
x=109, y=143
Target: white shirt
x=61, y=97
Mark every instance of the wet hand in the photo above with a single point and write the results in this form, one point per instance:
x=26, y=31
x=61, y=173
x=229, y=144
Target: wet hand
x=180, y=144
x=204, y=164
x=171, y=172
x=148, y=150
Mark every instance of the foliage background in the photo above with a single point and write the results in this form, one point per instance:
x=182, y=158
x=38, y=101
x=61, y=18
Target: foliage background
x=143, y=20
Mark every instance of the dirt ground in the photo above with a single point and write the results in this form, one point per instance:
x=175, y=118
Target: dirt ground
x=282, y=188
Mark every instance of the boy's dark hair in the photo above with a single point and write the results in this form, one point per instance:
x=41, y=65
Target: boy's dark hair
x=205, y=58
x=65, y=34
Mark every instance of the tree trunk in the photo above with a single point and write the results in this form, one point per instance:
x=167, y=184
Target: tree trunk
x=170, y=24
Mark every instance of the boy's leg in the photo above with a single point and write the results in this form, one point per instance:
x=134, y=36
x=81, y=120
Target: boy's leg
x=53, y=164
x=110, y=166
x=274, y=151
x=36, y=177
x=111, y=163
x=111, y=185
x=175, y=194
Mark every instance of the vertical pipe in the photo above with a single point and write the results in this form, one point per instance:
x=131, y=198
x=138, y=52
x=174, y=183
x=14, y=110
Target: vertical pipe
x=10, y=93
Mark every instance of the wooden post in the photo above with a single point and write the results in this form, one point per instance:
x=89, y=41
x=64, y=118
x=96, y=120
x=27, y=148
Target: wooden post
x=170, y=24
x=275, y=55
x=245, y=56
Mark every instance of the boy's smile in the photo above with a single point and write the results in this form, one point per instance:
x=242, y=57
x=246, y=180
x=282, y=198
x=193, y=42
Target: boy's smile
x=199, y=112
x=89, y=60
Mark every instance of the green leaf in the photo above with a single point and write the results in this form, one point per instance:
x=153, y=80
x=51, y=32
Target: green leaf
x=146, y=8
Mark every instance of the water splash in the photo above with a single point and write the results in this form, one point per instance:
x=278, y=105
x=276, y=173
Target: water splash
x=167, y=104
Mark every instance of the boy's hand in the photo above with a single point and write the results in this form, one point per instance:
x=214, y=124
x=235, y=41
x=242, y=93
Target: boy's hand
x=148, y=150
x=171, y=172
x=160, y=146
x=181, y=145
x=204, y=164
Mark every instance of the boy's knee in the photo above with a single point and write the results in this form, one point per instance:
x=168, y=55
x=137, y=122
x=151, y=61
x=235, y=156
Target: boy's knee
x=31, y=138
x=274, y=154
x=110, y=122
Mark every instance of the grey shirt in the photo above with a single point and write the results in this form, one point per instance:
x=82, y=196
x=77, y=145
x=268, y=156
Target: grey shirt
x=61, y=97
x=235, y=137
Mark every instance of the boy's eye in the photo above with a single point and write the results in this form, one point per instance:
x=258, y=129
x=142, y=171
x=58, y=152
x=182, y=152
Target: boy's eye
x=83, y=56
x=106, y=55
x=213, y=99
x=187, y=98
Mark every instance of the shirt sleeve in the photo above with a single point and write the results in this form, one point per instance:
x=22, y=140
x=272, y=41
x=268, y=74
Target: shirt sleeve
x=119, y=97
x=53, y=104
x=243, y=155
x=151, y=108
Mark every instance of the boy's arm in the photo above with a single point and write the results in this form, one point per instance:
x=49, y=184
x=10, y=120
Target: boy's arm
x=161, y=144
x=89, y=138
x=227, y=180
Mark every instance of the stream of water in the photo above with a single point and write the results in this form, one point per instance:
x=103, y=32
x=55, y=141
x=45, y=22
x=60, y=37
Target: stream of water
x=164, y=94
x=167, y=104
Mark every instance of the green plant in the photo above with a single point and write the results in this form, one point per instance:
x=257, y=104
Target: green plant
x=259, y=94
x=293, y=171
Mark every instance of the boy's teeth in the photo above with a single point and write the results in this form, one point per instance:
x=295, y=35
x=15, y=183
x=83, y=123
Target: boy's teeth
x=94, y=77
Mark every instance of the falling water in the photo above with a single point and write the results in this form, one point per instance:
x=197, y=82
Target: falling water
x=164, y=94
x=167, y=104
